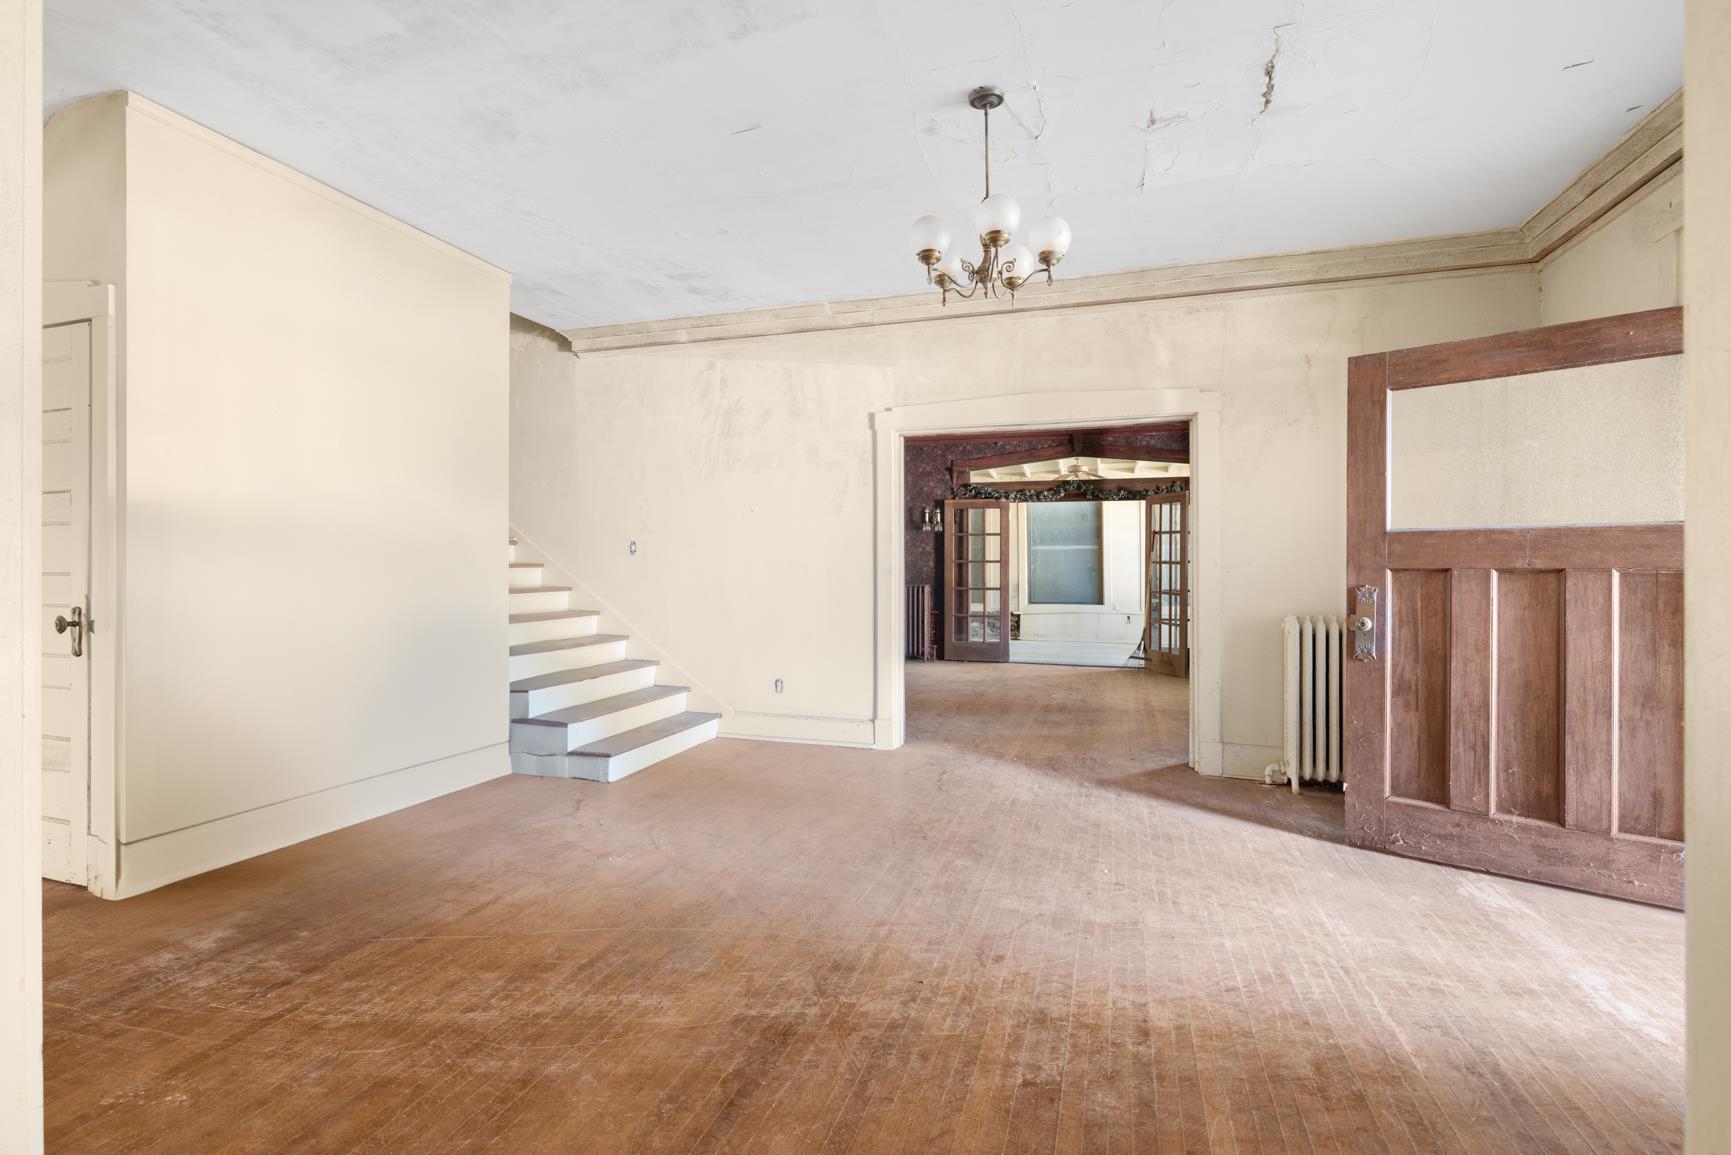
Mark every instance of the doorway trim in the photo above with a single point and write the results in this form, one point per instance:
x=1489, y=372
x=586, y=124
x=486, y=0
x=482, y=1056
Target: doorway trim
x=65, y=303
x=1038, y=411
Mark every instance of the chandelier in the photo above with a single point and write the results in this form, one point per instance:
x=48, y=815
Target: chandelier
x=1075, y=472
x=1005, y=265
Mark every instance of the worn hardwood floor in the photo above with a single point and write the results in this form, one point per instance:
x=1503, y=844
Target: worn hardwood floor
x=1025, y=931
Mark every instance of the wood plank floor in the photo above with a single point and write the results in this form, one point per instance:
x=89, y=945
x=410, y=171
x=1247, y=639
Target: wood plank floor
x=1025, y=931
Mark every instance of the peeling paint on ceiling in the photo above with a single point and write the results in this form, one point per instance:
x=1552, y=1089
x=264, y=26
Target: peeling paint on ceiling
x=659, y=158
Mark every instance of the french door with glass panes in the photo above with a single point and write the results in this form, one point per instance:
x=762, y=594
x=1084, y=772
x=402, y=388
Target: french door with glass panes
x=977, y=581
x=1166, y=640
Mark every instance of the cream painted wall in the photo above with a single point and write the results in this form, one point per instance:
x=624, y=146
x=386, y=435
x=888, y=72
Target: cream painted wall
x=313, y=496
x=1707, y=340
x=744, y=468
x=20, y=575
x=543, y=394
x=1626, y=263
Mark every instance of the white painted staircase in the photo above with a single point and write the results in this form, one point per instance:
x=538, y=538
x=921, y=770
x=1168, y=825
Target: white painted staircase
x=579, y=707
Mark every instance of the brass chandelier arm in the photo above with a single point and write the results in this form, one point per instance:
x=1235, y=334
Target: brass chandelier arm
x=973, y=287
x=1009, y=270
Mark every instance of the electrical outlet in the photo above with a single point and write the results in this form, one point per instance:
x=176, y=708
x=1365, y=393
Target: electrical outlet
x=778, y=686
x=631, y=548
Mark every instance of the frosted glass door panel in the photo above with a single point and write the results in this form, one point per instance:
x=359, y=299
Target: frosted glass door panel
x=1598, y=445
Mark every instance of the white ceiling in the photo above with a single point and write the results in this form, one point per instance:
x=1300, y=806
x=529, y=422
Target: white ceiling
x=636, y=159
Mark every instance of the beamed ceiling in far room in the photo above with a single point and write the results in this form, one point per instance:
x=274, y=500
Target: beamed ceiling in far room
x=656, y=158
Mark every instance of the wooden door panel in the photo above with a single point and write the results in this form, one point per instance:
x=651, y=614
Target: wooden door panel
x=1527, y=771
x=1524, y=714
x=1589, y=698
x=1650, y=722
x=1470, y=650
x=1418, y=724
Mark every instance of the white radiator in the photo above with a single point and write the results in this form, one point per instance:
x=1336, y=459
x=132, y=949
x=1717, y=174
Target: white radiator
x=1313, y=655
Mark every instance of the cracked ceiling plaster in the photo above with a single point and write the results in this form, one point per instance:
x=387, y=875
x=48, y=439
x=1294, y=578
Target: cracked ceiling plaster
x=645, y=159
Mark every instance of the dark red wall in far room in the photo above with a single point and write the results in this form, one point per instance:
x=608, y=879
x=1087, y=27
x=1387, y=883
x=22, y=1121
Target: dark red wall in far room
x=926, y=468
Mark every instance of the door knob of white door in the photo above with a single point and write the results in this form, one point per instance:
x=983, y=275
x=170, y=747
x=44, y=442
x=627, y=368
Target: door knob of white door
x=75, y=623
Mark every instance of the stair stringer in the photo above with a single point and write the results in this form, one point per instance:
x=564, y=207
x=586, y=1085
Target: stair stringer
x=671, y=673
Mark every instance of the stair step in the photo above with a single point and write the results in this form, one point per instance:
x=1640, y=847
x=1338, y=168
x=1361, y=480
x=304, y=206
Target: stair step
x=551, y=644
x=581, y=674
x=524, y=575
x=558, y=732
x=540, y=599
x=552, y=615
x=589, y=711
x=546, y=655
x=543, y=693
x=642, y=736
x=552, y=625
x=612, y=758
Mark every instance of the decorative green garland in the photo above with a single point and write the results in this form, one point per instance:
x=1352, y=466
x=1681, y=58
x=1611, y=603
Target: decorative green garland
x=1075, y=487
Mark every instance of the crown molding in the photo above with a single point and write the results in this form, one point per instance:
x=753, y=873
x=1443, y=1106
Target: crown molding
x=1649, y=151
x=1398, y=259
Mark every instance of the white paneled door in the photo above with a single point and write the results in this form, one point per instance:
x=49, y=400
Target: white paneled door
x=66, y=369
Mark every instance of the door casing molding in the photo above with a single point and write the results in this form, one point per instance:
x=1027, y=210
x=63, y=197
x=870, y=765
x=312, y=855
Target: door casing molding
x=66, y=303
x=1050, y=410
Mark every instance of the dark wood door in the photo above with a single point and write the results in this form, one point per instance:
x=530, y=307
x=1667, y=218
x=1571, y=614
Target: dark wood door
x=1522, y=713
x=1166, y=637
x=977, y=563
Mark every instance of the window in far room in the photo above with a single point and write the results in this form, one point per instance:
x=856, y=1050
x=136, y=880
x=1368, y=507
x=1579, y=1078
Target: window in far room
x=1064, y=554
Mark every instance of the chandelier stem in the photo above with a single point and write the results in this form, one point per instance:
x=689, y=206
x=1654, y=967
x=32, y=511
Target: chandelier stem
x=987, y=113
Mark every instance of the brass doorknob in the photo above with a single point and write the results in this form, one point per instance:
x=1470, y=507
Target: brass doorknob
x=75, y=623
